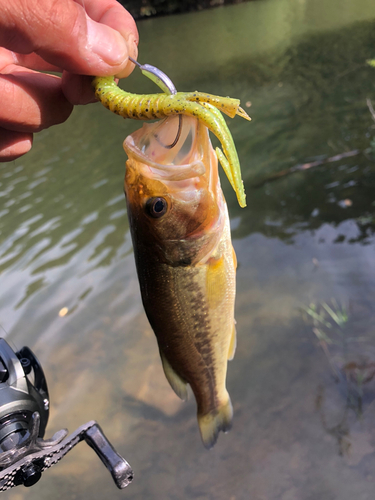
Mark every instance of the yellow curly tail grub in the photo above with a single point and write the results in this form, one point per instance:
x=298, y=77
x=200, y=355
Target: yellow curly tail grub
x=229, y=160
x=205, y=107
x=227, y=105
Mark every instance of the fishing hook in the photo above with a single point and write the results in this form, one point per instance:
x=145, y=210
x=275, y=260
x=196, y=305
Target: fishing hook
x=165, y=83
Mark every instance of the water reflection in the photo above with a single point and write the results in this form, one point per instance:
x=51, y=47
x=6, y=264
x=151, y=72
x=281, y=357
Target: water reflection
x=308, y=99
x=312, y=103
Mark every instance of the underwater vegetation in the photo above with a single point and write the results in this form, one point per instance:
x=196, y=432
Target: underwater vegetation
x=352, y=368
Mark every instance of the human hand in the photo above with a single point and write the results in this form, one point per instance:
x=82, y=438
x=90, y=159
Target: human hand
x=75, y=37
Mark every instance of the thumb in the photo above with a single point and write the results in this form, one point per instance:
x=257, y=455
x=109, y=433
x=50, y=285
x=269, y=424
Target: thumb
x=63, y=34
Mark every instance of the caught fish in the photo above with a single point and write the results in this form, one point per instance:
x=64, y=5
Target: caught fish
x=181, y=236
x=185, y=261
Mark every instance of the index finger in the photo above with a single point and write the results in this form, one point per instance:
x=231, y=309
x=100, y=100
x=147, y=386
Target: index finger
x=63, y=34
x=111, y=13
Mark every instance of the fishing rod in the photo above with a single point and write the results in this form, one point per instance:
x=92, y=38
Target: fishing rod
x=24, y=412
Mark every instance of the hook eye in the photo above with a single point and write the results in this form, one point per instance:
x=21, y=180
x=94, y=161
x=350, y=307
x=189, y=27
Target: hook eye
x=157, y=76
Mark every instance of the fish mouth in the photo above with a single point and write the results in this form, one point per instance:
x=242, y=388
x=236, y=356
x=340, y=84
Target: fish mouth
x=172, y=149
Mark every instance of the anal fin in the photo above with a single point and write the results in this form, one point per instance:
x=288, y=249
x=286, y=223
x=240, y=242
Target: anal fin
x=176, y=382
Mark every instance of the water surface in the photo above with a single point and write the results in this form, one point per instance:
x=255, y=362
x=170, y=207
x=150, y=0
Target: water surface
x=304, y=416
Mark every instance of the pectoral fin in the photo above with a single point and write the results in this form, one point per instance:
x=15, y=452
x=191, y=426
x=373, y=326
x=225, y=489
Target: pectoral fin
x=176, y=382
x=233, y=342
x=234, y=258
x=216, y=281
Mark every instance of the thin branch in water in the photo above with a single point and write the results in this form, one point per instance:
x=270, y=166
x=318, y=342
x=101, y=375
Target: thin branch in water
x=306, y=166
x=371, y=108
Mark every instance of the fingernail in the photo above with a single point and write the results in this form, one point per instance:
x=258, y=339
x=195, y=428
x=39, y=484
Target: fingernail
x=16, y=146
x=133, y=52
x=107, y=43
x=132, y=46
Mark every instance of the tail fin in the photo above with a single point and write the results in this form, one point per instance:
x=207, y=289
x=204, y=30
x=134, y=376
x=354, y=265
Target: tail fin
x=212, y=423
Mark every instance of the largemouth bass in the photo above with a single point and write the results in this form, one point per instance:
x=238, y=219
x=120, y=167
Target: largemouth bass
x=185, y=260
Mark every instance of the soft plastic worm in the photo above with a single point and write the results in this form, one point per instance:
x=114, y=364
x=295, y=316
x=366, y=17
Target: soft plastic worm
x=204, y=107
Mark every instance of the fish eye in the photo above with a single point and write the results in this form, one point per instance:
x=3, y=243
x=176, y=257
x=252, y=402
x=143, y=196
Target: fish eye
x=156, y=207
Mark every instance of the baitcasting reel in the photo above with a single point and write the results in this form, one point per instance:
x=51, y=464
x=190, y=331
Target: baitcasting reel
x=24, y=411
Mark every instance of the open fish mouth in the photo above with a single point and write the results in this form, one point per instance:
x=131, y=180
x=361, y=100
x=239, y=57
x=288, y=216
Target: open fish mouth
x=185, y=173
x=150, y=146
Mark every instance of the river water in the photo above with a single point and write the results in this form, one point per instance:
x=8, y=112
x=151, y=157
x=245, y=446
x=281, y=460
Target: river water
x=303, y=389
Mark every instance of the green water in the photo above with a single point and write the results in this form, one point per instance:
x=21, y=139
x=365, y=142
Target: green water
x=299, y=433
